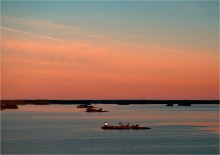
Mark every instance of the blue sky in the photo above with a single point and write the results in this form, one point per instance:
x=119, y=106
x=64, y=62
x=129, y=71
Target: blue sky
x=185, y=22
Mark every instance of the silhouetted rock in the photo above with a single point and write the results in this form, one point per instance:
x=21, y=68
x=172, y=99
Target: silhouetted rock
x=8, y=106
x=85, y=106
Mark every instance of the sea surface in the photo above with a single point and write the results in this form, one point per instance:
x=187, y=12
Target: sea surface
x=64, y=129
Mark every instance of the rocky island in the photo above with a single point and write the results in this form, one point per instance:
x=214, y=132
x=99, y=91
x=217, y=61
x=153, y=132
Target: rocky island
x=9, y=106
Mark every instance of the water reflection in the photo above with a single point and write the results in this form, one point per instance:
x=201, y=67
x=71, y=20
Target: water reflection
x=65, y=129
x=210, y=126
x=154, y=115
x=48, y=108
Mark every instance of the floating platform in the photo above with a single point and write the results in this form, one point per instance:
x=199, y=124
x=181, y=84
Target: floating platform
x=95, y=110
x=125, y=127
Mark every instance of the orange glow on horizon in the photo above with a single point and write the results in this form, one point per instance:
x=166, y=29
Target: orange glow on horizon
x=36, y=67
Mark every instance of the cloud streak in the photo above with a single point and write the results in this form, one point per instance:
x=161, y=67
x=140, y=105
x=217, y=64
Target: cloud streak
x=39, y=25
x=36, y=35
x=13, y=30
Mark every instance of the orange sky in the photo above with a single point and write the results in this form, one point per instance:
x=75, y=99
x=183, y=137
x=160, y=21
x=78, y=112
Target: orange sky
x=110, y=51
x=40, y=67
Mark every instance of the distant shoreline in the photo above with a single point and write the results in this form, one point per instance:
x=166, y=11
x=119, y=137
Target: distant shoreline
x=13, y=104
x=41, y=101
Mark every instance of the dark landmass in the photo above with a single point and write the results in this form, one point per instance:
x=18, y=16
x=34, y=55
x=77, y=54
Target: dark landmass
x=169, y=104
x=12, y=104
x=120, y=102
x=8, y=105
x=85, y=106
x=181, y=104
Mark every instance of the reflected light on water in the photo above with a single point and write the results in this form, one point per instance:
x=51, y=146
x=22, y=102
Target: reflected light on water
x=212, y=126
x=49, y=108
x=206, y=120
x=65, y=129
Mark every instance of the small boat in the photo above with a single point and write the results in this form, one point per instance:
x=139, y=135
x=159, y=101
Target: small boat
x=95, y=110
x=121, y=127
x=124, y=127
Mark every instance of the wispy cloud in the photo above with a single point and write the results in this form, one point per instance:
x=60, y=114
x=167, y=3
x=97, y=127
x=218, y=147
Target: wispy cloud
x=49, y=26
x=13, y=30
x=36, y=35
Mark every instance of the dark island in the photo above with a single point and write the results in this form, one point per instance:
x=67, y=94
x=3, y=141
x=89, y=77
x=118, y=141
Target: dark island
x=85, y=106
x=8, y=106
x=169, y=104
x=188, y=104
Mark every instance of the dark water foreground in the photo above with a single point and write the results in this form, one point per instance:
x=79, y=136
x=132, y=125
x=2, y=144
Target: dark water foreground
x=65, y=129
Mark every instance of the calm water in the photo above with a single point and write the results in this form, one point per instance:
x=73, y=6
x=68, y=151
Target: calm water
x=64, y=129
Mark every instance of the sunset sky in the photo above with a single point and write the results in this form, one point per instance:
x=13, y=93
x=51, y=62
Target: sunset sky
x=110, y=50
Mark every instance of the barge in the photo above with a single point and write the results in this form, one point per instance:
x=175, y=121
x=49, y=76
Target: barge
x=121, y=127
